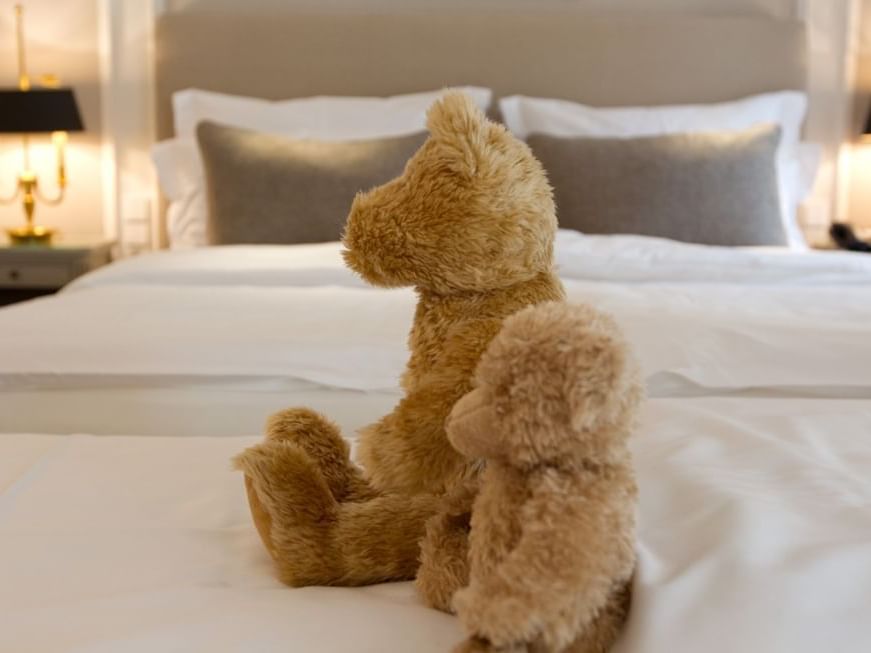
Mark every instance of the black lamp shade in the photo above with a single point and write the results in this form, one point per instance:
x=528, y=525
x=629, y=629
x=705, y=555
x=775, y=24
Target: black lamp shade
x=39, y=110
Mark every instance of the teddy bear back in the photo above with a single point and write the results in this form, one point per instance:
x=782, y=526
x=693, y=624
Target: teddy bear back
x=564, y=386
x=472, y=211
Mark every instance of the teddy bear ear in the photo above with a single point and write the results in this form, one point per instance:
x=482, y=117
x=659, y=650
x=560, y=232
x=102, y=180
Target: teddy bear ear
x=599, y=380
x=455, y=117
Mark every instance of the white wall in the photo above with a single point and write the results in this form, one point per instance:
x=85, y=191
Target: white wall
x=858, y=210
x=127, y=75
x=61, y=39
x=830, y=29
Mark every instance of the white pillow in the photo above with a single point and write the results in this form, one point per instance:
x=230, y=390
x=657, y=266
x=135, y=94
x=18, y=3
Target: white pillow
x=524, y=116
x=180, y=170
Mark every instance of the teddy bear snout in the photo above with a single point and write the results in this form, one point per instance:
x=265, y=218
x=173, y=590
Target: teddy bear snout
x=471, y=426
x=375, y=247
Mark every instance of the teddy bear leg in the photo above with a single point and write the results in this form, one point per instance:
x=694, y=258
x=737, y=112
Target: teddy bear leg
x=379, y=539
x=444, y=564
x=293, y=509
x=323, y=442
x=314, y=539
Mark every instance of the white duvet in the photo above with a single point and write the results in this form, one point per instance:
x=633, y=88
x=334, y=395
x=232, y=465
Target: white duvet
x=754, y=457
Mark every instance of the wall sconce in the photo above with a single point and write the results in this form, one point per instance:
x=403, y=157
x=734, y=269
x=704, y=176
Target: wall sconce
x=27, y=111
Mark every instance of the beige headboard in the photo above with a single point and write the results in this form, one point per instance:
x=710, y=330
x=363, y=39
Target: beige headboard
x=596, y=58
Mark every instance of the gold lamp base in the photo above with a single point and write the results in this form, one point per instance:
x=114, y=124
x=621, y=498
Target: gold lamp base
x=31, y=235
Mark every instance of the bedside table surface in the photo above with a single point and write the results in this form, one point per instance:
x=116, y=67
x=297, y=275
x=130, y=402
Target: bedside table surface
x=95, y=252
x=62, y=244
x=27, y=270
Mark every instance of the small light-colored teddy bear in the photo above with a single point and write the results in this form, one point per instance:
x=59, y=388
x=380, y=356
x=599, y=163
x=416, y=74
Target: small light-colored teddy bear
x=552, y=544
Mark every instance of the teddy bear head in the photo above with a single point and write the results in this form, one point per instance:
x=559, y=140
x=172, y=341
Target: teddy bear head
x=557, y=385
x=472, y=211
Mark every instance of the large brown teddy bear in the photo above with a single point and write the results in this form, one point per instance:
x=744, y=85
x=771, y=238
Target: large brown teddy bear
x=552, y=543
x=470, y=225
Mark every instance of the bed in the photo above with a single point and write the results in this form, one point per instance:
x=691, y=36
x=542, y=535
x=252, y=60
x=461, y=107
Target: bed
x=126, y=529
x=122, y=399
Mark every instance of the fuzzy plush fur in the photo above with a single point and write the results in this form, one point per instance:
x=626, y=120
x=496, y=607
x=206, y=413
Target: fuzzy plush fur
x=552, y=541
x=470, y=225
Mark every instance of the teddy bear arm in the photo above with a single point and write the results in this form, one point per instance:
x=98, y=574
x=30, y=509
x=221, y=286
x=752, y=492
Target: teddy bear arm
x=444, y=560
x=542, y=574
x=471, y=426
x=444, y=549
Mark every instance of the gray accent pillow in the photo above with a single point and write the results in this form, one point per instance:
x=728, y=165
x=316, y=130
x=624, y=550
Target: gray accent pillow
x=262, y=188
x=708, y=188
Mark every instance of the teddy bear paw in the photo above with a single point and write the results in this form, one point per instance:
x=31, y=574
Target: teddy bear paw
x=322, y=441
x=293, y=509
x=304, y=425
x=285, y=477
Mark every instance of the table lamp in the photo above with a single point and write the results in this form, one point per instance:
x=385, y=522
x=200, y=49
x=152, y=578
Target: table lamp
x=27, y=111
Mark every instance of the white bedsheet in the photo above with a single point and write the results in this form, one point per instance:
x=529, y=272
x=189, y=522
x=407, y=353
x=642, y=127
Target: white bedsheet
x=755, y=522
x=578, y=256
x=642, y=259
x=230, y=265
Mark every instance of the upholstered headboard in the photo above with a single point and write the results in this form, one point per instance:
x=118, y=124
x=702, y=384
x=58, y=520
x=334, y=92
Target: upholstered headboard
x=598, y=58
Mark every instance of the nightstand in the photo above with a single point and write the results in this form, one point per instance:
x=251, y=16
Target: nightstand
x=31, y=271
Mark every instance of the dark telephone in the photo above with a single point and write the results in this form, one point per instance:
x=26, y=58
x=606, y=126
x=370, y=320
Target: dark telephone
x=845, y=238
